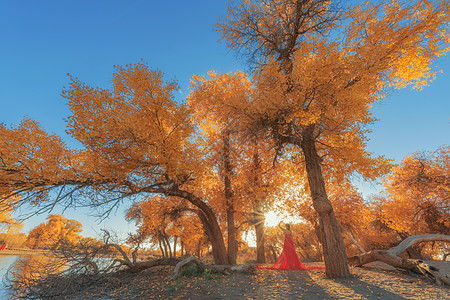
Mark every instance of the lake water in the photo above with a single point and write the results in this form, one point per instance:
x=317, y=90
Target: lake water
x=5, y=263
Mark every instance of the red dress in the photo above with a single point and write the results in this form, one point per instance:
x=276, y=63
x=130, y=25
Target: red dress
x=288, y=259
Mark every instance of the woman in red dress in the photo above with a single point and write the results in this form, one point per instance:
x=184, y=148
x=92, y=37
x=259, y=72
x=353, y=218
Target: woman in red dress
x=288, y=259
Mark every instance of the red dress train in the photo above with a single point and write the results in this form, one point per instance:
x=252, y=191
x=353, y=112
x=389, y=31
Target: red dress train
x=288, y=259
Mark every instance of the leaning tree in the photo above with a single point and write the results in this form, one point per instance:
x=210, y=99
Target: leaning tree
x=136, y=141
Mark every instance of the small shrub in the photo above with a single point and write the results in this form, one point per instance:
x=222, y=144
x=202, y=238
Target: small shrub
x=207, y=274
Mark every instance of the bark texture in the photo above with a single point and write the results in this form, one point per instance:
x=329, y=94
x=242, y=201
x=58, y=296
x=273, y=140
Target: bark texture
x=258, y=217
x=330, y=235
x=210, y=225
x=228, y=170
x=391, y=257
x=260, y=248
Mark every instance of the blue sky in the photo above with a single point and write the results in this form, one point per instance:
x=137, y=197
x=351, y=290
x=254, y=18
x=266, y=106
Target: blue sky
x=42, y=41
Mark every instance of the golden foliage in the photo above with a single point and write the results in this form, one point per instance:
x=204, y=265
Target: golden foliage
x=7, y=222
x=418, y=194
x=330, y=83
x=136, y=127
x=55, y=230
x=160, y=218
x=31, y=159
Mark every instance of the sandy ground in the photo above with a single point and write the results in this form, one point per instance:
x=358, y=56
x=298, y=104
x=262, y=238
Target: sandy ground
x=373, y=282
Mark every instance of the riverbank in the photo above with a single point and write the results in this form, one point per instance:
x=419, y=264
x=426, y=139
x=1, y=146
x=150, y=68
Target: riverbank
x=22, y=252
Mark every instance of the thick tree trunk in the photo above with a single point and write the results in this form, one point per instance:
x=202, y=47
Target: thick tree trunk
x=228, y=170
x=210, y=224
x=232, y=243
x=258, y=216
x=218, y=246
x=333, y=246
x=260, y=251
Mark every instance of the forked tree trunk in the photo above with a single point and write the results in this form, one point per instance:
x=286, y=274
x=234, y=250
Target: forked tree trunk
x=228, y=170
x=166, y=248
x=169, y=248
x=161, y=247
x=330, y=234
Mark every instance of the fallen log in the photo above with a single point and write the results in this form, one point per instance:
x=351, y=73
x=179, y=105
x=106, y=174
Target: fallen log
x=140, y=266
x=223, y=269
x=391, y=257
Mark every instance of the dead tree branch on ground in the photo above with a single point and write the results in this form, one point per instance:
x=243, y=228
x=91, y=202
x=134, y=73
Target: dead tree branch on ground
x=391, y=257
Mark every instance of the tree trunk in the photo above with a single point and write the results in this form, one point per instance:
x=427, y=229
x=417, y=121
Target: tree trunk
x=174, y=246
x=260, y=251
x=169, y=248
x=199, y=248
x=232, y=243
x=161, y=247
x=258, y=216
x=166, y=250
x=333, y=245
x=258, y=222
x=210, y=224
x=228, y=170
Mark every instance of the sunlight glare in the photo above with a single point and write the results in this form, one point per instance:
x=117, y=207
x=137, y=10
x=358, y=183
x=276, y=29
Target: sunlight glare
x=272, y=219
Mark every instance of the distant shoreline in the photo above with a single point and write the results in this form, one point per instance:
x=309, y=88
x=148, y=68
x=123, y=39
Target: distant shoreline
x=21, y=252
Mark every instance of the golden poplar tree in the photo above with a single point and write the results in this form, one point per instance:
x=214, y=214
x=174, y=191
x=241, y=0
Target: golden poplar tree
x=317, y=78
x=56, y=229
x=136, y=140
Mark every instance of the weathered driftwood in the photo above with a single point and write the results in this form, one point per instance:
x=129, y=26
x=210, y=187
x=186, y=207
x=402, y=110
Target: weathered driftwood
x=391, y=257
x=224, y=269
x=140, y=266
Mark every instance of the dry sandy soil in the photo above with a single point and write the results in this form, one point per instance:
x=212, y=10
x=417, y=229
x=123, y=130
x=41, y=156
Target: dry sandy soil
x=376, y=281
